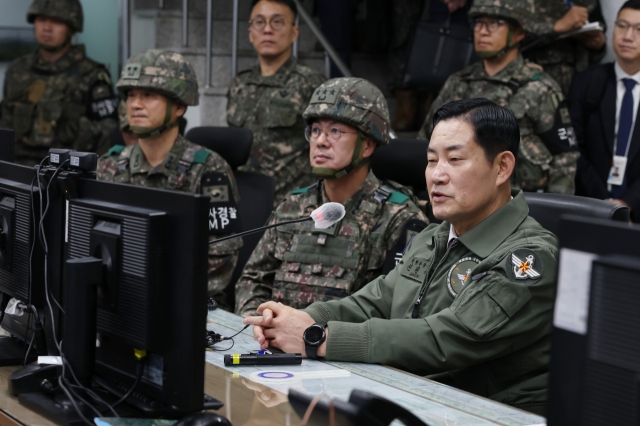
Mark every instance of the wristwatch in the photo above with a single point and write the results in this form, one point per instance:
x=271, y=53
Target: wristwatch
x=313, y=337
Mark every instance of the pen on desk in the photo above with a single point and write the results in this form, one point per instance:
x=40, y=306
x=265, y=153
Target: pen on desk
x=259, y=359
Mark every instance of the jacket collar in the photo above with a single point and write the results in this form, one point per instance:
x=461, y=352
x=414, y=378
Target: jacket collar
x=477, y=71
x=74, y=54
x=370, y=184
x=278, y=79
x=486, y=237
x=139, y=163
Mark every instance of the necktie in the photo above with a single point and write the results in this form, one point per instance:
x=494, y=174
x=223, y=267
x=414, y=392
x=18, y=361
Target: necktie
x=624, y=131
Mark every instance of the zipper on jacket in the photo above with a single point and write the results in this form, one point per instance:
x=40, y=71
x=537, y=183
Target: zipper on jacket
x=425, y=286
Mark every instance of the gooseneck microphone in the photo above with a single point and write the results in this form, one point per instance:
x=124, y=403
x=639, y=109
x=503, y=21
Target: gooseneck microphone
x=324, y=216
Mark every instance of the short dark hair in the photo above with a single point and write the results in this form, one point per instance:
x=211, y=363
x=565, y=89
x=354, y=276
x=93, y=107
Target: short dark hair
x=631, y=4
x=290, y=3
x=496, y=128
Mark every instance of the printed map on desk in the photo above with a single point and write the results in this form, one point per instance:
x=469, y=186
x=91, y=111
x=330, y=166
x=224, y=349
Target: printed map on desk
x=435, y=403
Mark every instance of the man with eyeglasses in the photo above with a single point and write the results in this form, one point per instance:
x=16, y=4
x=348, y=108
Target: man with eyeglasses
x=297, y=264
x=269, y=98
x=548, y=154
x=604, y=109
x=561, y=58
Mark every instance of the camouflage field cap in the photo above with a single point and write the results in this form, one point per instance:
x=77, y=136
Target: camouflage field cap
x=520, y=11
x=69, y=11
x=353, y=101
x=162, y=71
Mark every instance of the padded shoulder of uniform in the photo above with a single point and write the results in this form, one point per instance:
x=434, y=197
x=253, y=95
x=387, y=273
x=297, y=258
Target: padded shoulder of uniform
x=305, y=71
x=397, y=197
x=116, y=150
x=201, y=156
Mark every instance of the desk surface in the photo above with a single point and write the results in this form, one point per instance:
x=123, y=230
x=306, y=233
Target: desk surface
x=253, y=400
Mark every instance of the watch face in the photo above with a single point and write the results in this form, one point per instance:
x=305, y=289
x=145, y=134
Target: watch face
x=313, y=335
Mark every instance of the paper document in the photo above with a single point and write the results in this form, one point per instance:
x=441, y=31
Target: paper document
x=574, y=284
x=589, y=26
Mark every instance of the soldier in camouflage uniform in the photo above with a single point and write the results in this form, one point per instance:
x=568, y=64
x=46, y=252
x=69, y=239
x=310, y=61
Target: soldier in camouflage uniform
x=271, y=105
x=185, y=167
x=298, y=264
x=562, y=58
x=548, y=155
x=56, y=97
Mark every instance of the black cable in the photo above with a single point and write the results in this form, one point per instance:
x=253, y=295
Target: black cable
x=84, y=419
x=140, y=370
x=253, y=231
x=228, y=338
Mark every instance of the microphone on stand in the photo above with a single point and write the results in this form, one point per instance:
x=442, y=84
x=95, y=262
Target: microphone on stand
x=324, y=216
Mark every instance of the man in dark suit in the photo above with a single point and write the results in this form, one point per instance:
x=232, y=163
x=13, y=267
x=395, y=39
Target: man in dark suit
x=604, y=109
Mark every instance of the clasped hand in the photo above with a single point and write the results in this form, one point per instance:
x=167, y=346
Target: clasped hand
x=282, y=327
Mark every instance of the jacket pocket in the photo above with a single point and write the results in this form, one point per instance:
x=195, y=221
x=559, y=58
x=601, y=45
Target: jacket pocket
x=491, y=308
x=281, y=113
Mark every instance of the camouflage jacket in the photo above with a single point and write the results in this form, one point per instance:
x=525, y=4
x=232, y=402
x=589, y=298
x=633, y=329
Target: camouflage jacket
x=187, y=167
x=69, y=104
x=271, y=107
x=547, y=158
x=560, y=58
x=297, y=264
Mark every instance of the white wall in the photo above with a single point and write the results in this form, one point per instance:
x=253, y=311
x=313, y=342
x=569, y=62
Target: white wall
x=610, y=11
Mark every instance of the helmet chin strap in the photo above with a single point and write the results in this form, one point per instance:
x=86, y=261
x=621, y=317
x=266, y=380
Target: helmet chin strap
x=146, y=132
x=356, y=162
x=493, y=54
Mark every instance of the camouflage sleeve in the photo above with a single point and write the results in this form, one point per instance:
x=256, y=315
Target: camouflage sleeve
x=6, y=107
x=255, y=286
x=101, y=116
x=447, y=94
x=399, y=220
x=552, y=125
x=223, y=257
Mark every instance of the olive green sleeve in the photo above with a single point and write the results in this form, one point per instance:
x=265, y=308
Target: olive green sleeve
x=493, y=317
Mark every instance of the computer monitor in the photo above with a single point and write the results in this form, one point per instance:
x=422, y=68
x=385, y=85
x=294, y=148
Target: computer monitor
x=151, y=247
x=7, y=145
x=578, y=310
x=21, y=261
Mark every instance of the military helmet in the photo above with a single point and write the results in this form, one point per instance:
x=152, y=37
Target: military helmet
x=162, y=71
x=353, y=101
x=69, y=11
x=519, y=11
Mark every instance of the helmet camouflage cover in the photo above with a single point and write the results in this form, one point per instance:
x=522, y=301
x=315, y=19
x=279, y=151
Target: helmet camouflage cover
x=69, y=11
x=161, y=71
x=353, y=101
x=519, y=11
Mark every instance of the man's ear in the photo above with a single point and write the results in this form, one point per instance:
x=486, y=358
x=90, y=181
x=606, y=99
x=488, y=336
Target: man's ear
x=504, y=163
x=180, y=109
x=518, y=35
x=368, y=146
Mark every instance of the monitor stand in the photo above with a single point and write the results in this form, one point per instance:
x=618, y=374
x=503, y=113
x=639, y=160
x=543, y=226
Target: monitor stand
x=36, y=385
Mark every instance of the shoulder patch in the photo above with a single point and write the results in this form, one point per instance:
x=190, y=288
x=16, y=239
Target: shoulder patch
x=300, y=191
x=536, y=77
x=201, y=156
x=397, y=197
x=116, y=149
x=524, y=265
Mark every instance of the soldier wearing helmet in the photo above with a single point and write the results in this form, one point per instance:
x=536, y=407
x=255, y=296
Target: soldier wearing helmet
x=157, y=87
x=347, y=118
x=56, y=97
x=470, y=302
x=547, y=159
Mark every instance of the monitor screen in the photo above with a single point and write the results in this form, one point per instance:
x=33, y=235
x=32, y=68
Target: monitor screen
x=21, y=261
x=7, y=145
x=153, y=292
x=581, y=241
